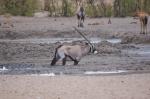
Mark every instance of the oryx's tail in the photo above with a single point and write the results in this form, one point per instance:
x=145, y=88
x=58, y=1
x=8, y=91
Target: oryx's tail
x=56, y=57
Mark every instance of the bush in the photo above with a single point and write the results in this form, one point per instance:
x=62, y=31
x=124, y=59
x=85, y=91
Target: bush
x=18, y=7
x=128, y=7
x=93, y=8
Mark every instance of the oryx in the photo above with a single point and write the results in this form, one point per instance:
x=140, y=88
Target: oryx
x=74, y=52
x=80, y=16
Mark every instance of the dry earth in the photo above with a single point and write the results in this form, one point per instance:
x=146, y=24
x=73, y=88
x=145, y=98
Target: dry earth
x=135, y=86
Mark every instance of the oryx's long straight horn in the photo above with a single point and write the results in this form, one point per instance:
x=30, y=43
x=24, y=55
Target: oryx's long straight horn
x=83, y=36
x=74, y=52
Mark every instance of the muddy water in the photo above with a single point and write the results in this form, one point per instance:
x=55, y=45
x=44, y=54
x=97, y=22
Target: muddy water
x=61, y=40
x=95, y=65
x=143, y=50
x=137, y=56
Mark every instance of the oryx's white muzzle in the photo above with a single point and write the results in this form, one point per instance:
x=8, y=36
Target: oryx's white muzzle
x=95, y=52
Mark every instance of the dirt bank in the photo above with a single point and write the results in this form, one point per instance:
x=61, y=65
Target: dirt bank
x=26, y=27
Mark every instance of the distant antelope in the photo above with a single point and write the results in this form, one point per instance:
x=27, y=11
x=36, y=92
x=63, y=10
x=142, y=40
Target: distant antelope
x=80, y=16
x=74, y=52
x=143, y=17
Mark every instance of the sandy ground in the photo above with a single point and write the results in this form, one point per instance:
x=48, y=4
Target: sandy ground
x=135, y=86
x=28, y=27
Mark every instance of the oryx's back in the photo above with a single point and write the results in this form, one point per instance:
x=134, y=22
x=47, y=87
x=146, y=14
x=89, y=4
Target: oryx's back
x=72, y=50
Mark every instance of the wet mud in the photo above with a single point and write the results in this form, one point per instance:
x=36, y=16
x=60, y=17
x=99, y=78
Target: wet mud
x=29, y=46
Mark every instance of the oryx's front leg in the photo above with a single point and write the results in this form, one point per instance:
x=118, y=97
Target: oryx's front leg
x=76, y=62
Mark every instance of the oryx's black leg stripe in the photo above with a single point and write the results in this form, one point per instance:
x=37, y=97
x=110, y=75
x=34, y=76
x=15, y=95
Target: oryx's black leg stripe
x=53, y=61
x=76, y=62
x=71, y=58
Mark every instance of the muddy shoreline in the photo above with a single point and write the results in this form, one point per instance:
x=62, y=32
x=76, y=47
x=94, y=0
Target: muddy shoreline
x=32, y=41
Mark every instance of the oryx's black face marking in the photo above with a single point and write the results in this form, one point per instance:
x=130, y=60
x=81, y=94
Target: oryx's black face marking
x=93, y=50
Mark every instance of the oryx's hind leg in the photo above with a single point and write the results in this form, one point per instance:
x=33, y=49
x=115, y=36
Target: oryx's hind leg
x=54, y=61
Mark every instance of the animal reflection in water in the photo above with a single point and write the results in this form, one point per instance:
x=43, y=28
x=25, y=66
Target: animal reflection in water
x=80, y=16
x=74, y=52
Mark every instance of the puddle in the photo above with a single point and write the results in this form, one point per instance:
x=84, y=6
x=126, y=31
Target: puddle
x=48, y=74
x=3, y=69
x=104, y=72
x=143, y=50
x=62, y=40
x=84, y=73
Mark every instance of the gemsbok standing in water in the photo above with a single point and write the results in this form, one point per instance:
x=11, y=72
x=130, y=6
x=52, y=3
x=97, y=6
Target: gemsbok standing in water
x=80, y=16
x=74, y=52
x=143, y=17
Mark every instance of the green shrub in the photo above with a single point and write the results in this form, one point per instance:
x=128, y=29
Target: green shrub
x=88, y=10
x=71, y=10
x=92, y=11
x=29, y=7
x=121, y=8
x=128, y=7
x=109, y=11
x=18, y=7
x=67, y=8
